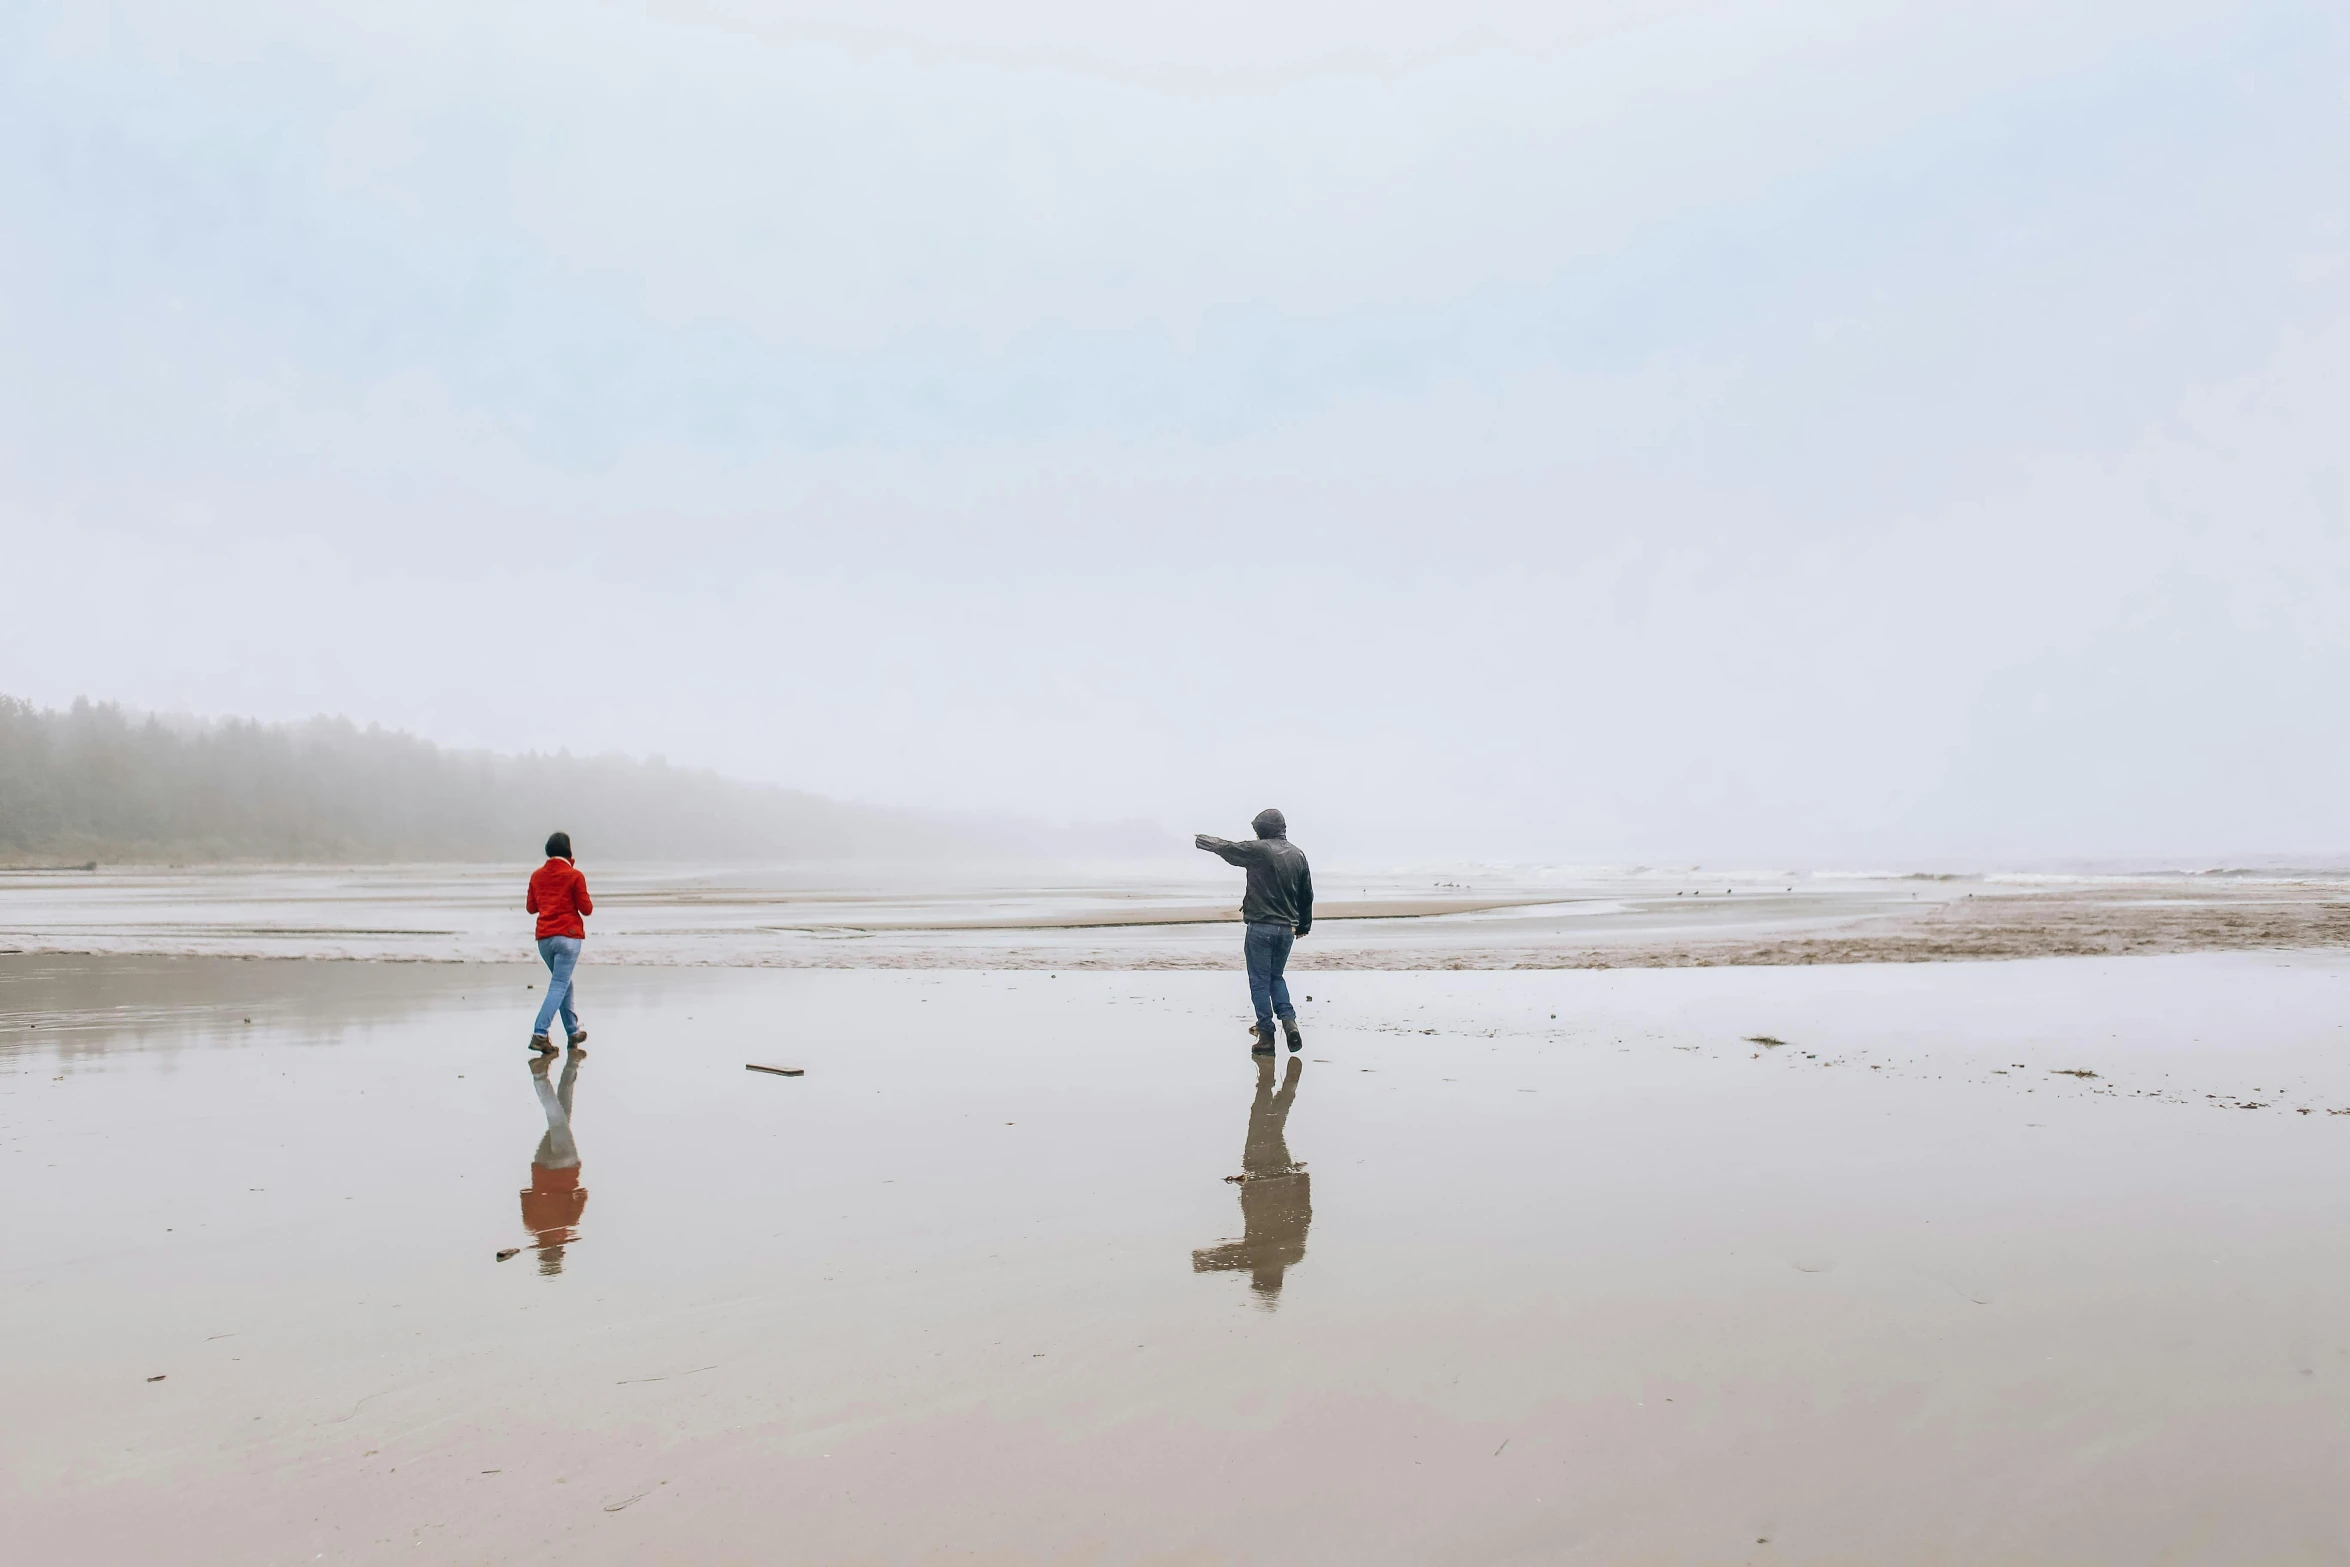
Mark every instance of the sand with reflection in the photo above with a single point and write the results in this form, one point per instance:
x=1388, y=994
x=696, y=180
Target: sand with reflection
x=1276, y=1193
x=554, y=1201
x=1582, y=1275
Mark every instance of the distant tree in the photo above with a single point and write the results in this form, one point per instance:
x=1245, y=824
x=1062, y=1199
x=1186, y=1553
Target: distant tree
x=95, y=782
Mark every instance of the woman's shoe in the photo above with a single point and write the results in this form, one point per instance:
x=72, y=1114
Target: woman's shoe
x=538, y=1042
x=578, y=1039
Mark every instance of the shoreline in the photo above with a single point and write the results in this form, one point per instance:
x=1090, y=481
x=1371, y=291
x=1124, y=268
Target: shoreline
x=1971, y=928
x=1492, y=920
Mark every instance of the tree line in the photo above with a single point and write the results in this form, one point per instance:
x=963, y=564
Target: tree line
x=94, y=782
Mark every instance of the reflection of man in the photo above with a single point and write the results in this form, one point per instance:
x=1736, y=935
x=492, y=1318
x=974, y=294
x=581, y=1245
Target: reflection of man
x=554, y=1201
x=1276, y=1194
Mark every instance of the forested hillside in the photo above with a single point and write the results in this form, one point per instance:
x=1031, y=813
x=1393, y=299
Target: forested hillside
x=95, y=782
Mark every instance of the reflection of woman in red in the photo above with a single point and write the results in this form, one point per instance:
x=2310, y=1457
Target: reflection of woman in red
x=552, y=1204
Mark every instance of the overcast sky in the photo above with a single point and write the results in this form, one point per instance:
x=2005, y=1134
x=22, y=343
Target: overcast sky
x=1831, y=432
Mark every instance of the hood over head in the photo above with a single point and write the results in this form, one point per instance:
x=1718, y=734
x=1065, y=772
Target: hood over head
x=1271, y=824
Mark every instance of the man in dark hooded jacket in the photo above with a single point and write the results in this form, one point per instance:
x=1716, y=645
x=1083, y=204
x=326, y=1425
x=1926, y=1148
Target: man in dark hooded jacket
x=1278, y=908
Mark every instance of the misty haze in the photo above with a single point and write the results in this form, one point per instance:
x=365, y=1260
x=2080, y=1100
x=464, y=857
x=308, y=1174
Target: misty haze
x=1402, y=783
x=97, y=781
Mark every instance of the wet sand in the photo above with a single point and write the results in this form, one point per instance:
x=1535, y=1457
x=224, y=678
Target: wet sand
x=1136, y=918
x=1616, y=1285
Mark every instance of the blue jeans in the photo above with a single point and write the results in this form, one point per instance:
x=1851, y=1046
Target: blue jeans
x=1267, y=948
x=562, y=956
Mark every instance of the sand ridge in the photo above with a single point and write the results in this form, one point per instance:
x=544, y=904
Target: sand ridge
x=1478, y=919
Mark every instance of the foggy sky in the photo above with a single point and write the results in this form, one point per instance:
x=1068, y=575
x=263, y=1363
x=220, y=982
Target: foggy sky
x=1837, y=433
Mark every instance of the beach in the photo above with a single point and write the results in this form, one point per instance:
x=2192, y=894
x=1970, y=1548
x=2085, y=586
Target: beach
x=1150, y=917
x=1784, y=565
x=2026, y=1261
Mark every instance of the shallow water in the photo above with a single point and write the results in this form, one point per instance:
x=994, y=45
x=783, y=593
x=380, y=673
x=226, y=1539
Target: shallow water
x=1122, y=918
x=925, y=917
x=1613, y=1286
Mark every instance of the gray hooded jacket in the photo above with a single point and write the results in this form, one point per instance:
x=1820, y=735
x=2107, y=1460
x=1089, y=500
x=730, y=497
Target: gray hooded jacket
x=1280, y=884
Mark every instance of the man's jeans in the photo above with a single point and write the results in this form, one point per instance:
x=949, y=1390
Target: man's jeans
x=1267, y=947
x=562, y=955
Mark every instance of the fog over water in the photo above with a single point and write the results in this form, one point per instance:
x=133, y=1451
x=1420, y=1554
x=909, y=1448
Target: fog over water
x=1839, y=433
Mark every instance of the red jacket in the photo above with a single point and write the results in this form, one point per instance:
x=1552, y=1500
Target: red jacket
x=559, y=896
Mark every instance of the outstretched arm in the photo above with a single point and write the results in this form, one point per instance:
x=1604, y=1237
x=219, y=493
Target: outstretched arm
x=1223, y=848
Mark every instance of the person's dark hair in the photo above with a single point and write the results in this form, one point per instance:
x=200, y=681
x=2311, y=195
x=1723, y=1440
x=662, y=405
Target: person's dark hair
x=1270, y=824
x=558, y=846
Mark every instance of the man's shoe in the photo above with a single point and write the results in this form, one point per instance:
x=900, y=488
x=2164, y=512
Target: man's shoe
x=1297, y=1041
x=1264, y=1042
x=538, y=1042
x=579, y=1039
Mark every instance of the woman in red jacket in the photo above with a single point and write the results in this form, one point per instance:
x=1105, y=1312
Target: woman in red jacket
x=559, y=896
